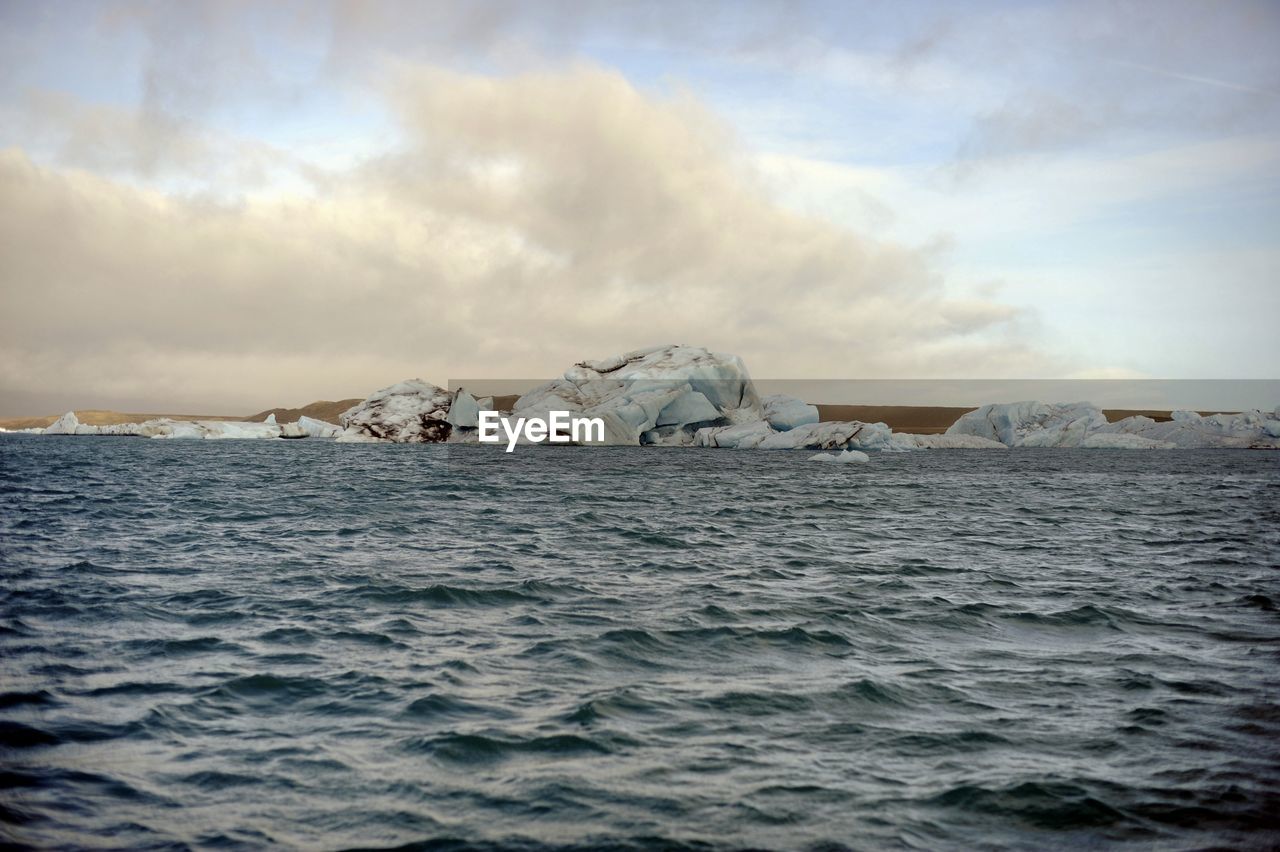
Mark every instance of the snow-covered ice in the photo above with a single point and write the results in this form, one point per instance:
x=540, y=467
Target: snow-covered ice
x=833, y=435
x=411, y=411
x=908, y=441
x=846, y=457
x=786, y=412
x=1039, y=424
x=1119, y=441
x=661, y=395
x=1031, y=424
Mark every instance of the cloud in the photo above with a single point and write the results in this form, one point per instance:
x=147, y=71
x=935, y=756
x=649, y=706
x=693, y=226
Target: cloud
x=1030, y=197
x=143, y=144
x=1097, y=73
x=524, y=223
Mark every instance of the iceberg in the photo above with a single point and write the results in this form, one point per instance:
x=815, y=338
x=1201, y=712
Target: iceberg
x=1079, y=424
x=464, y=411
x=173, y=429
x=313, y=428
x=846, y=457
x=164, y=427
x=1189, y=430
x=786, y=412
x=67, y=424
x=661, y=395
x=907, y=441
x=234, y=430
x=832, y=435
x=1031, y=424
x=1118, y=441
x=411, y=411
x=743, y=436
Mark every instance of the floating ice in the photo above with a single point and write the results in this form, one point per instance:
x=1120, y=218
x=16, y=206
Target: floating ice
x=64, y=425
x=1191, y=431
x=743, y=436
x=786, y=412
x=313, y=428
x=1039, y=424
x=833, y=435
x=1031, y=424
x=906, y=441
x=661, y=395
x=1118, y=441
x=846, y=457
x=411, y=411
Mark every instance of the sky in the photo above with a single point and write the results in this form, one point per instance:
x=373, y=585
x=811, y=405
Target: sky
x=227, y=206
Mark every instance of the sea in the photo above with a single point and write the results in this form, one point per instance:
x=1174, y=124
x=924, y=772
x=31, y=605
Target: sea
x=310, y=645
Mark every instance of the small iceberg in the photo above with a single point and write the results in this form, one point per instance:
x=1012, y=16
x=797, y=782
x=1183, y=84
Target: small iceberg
x=847, y=457
x=1123, y=441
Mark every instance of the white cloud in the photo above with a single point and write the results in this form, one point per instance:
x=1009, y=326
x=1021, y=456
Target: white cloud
x=530, y=221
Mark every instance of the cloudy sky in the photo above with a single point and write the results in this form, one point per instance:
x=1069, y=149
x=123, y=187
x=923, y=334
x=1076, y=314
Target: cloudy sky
x=227, y=206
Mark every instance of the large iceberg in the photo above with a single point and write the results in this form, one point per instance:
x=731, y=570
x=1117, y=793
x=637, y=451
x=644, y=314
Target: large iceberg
x=1189, y=430
x=411, y=411
x=67, y=424
x=1031, y=424
x=661, y=395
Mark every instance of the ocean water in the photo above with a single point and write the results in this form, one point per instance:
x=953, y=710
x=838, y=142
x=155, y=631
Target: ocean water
x=239, y=644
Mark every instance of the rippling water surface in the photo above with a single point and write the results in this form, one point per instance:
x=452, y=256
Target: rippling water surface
x=213, y=644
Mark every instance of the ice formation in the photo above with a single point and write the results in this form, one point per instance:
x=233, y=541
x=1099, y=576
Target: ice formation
x=846, y=457
x=1192, y=431
x=786, y=412
x=411, y=411
x=1119, y=441
x=306, y=427
x=661, y=395
x=690, y=396
x=907, y=441
x=1039, y=424
x=836, y=435
x=67, y=424
x=1031, y=424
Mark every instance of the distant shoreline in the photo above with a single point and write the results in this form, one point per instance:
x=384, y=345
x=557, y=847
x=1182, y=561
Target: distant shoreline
x=914, y=419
